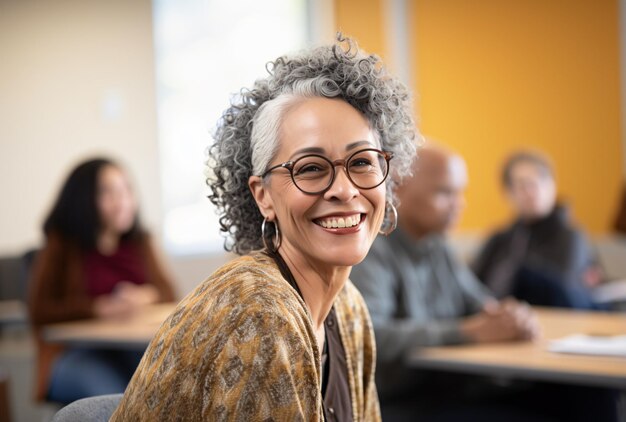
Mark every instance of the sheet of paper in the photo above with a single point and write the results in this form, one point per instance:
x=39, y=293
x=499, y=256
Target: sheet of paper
x=612, y=291
x=590, y=345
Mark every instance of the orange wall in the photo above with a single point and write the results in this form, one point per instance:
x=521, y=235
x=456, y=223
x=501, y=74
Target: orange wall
x=363, y=21
x=496, y=75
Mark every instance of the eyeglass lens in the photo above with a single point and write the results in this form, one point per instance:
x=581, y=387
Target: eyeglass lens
x=314, y=173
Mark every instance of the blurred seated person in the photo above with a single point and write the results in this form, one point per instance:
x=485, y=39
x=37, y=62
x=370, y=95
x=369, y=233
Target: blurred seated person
x=541, y=258
x=97, y=262
x=419, y=294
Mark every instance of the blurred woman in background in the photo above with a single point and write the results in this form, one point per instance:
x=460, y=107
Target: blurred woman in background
x=97, y=262
x=542, y=257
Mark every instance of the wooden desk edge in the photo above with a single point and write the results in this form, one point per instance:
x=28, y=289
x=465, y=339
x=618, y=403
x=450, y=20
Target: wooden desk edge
x=509, y=371
x=98, y=343
x=73, y=333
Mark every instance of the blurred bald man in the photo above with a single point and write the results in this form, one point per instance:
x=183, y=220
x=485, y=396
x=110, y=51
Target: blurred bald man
x=418, y=293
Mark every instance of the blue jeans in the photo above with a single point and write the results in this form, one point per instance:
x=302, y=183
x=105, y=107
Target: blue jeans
x=81, y=373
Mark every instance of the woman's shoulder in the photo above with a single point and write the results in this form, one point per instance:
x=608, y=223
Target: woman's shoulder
x=249, y=275
x=246, y=266
x=57, y=249
x=250, y=284
x=241, y=300
x=240, y=331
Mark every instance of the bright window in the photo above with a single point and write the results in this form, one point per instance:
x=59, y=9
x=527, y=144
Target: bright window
x=207, y=50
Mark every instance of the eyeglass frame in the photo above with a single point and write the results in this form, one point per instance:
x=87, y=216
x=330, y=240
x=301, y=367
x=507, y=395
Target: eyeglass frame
x=388, y=155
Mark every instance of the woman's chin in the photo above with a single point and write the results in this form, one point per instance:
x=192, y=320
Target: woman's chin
x=342, y=258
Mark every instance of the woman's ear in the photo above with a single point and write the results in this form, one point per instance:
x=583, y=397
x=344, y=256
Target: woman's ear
x=262, y=197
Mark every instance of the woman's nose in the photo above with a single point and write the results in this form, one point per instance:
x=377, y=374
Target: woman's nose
x=342, y=187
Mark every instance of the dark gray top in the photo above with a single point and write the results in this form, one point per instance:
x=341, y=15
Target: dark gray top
x=551, y=246
x=336, y=387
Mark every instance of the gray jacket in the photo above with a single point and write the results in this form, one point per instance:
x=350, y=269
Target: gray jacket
x=416, y=292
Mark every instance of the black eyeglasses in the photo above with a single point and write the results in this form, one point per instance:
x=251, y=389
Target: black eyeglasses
x=315, y=174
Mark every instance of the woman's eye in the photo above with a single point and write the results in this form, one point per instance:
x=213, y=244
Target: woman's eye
x=310, y=168
x=360, y=162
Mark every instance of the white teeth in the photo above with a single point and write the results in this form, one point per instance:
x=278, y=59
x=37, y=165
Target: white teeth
x=341, y=222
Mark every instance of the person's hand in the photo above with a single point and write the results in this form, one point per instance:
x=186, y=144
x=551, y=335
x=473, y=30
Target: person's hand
x=524, y=317
x=125, y=299
x=501, y=321
x=136, y=294
x=110, y=306
x=593, y=276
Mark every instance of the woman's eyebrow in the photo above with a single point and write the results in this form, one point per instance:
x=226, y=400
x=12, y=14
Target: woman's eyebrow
x=357, y=144
x=322, y=151
x=308, y=150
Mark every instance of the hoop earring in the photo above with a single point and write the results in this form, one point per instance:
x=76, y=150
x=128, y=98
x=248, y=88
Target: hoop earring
x=390, y=222
x=275, y=242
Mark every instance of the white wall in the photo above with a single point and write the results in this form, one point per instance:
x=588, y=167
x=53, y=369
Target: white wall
x=76, y=79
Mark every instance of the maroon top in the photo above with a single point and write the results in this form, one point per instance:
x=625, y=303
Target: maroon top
x=103, y=272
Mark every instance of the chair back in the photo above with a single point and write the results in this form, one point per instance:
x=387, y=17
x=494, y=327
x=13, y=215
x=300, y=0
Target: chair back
x=11, y=286
x=96, y=409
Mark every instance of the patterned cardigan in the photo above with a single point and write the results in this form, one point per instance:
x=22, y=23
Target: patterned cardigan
x=242, y=347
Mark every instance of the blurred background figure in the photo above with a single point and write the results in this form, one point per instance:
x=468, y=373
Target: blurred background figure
x=541, y=258
x=420, y=294
x=620, y=218
x=97, y=262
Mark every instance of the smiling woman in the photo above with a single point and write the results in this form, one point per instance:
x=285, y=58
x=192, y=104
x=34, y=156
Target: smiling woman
x=299, y=173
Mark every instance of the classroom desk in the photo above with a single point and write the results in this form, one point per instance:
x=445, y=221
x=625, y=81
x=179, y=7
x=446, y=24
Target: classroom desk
x=532, y=360
x=522, y=360
x=134, y=332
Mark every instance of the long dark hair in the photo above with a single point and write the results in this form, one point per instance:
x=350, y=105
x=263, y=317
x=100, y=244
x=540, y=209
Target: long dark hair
x=75, y=213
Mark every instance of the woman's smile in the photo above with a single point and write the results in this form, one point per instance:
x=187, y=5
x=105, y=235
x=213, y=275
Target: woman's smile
x=341, y=223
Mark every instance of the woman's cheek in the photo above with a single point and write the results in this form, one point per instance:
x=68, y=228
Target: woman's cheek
x=379, y=209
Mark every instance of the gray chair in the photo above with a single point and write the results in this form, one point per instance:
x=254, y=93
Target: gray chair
x=96, y=409
x=11, y=278
x=13, y=275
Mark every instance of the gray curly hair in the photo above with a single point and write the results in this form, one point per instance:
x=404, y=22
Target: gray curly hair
x=246, y=138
